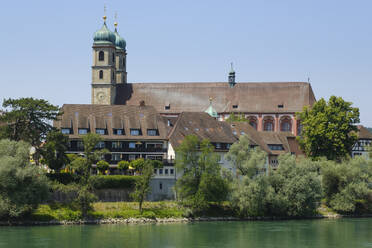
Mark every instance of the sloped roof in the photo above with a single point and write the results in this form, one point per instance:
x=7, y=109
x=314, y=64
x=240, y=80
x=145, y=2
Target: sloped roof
x=194, y=97
x=364, y=133
x=203, y=126
x=91, y=116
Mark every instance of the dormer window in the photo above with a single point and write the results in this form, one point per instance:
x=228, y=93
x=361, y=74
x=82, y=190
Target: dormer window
x=218, y=145
x=167, y=107
x=135, y=132
x=83, y=130
x=235, y=106
x=276, y=147
x=152, y=132
x=280, y=106
x=118, y=131
x=66, y=130
x=101, y=131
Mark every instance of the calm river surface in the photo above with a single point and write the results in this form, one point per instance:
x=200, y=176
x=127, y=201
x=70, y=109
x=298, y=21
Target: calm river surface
x=348, y=233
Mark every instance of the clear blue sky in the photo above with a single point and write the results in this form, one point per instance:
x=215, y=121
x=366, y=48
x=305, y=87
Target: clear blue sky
x=46, y=45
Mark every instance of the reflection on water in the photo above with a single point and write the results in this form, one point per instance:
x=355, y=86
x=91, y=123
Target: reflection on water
x=348, y=233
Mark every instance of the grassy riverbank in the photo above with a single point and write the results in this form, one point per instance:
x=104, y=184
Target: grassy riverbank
x=105, y=210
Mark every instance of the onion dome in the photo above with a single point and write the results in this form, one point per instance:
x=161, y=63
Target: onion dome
x=119, y=41
x=210, y=110
x=104, y=34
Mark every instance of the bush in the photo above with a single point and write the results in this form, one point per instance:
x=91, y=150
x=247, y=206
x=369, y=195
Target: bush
x=64, y=178
x=23, y=186
x=102, y=166
x=113, y=182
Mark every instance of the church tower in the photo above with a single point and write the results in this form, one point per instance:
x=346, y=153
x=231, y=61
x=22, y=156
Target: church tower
x=121, y=57
x=104, y=66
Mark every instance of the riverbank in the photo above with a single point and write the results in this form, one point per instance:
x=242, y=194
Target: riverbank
x=154, y=213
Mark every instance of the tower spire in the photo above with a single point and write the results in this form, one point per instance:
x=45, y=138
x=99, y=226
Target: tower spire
x=104, y=13
x=116, y=21
x=232, y=77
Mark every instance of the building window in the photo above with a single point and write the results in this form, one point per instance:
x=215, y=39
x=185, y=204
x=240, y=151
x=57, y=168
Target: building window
x=269, y=124
x=116, y=145
x=116, y=157
x=80, y=145
x=152, y=132
x=167, y=107
x=113, y=57
x=100, y=145
x=101, y=56
x=228, y=146
x=160, y=186
x=276, y=147
x=131, y=157
x=155, y=170
x=154, y=145
x=83, y=130
x=253, y=122
x=235, y=106
x=171, y=171
x=66, y=130
x=135, y=132
x=155, y=157
x=118, y=131
x=285, y=124
x=218, y=145
x=166, y=171
x=100, y=74
x=132, y=145
x=100, y=131
x=160, y=171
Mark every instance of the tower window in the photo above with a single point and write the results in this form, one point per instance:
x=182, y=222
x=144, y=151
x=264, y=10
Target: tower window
x=101, y=56
x=113, y=57
x=100, y=74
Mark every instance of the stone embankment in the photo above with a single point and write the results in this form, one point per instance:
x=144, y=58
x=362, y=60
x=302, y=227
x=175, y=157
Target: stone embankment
x=163, y=220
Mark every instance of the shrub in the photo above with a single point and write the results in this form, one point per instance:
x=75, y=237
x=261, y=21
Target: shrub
x=64, y=178
x=113, y=182
x=22, y=185
x=102, y=166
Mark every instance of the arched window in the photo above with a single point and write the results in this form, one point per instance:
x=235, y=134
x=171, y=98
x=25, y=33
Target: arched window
x=113, y=57
x=269, y=124
x=101, y=56
x=100, y=74
x=286, y=124
x=113, y=76
x=253, y=122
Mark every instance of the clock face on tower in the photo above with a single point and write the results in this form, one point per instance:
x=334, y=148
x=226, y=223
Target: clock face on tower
x=101, y=96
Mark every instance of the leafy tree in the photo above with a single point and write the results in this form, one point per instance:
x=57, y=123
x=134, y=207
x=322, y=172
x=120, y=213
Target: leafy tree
x=236, y=117
x=22, y=186
x=138, y=164
x=248, y=160
x=142, y=185
x=82, y=166
x=123, y=166
x=54, y=150
x=28, y=119
x=329, y=128
x=201, y=181
x=347, y=185
x=102, y=166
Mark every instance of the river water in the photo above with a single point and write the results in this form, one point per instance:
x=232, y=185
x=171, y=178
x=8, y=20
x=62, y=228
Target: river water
x=342, y=233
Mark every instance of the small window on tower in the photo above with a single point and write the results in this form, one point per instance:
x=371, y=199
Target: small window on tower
x=101, y=56
x=100, y=74
x=113, y=57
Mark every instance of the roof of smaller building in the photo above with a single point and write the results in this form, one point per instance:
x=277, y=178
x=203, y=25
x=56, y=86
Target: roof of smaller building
x=111, y=117
x=364, y=133
x=203, y=126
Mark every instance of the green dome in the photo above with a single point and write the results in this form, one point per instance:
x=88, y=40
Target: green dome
x=104, y=35
x=119, y=41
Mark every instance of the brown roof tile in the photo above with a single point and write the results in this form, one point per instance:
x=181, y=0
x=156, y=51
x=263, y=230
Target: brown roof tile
x=194, y=97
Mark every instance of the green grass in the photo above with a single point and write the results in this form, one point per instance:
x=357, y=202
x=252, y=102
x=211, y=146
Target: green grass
x=104, y=210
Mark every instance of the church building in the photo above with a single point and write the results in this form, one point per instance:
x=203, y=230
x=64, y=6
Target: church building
x=268, y=106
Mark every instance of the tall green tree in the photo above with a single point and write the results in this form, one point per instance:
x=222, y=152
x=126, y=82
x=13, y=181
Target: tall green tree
x=201, y=181
x=142, y=185
x=248, y=160
x=54, y=150
x=22, y=185
x=28, y=119
x=329, y=128
x=83, y=165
